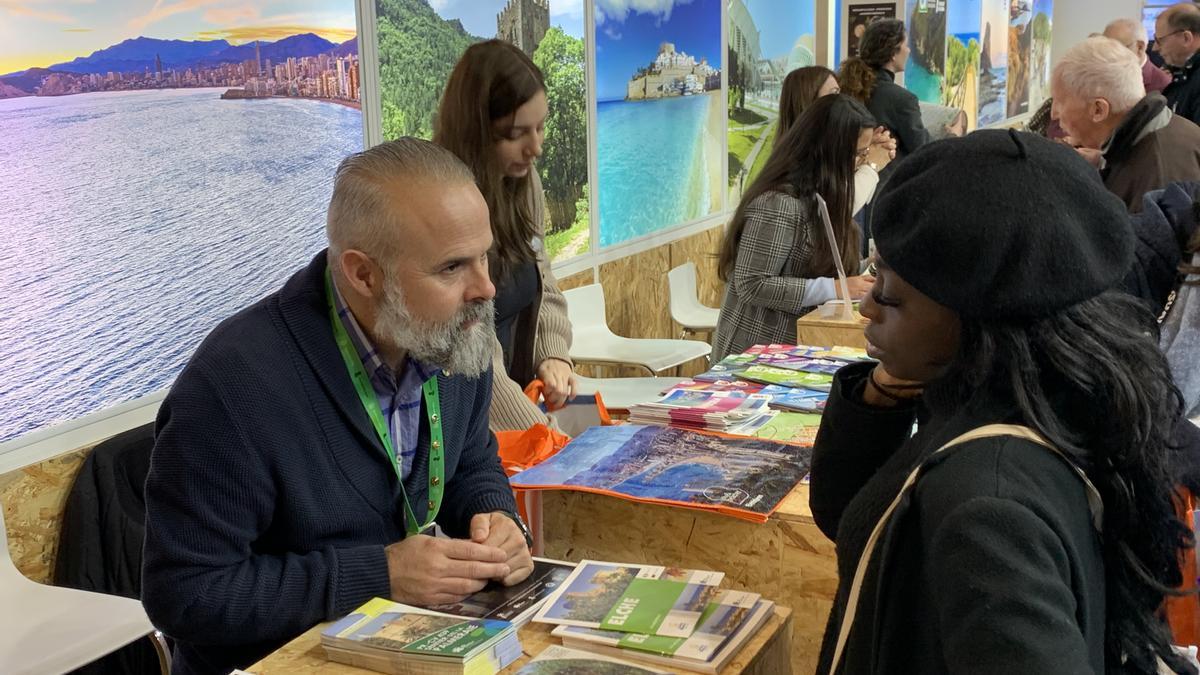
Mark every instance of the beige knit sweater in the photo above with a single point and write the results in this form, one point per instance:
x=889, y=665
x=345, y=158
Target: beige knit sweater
x=552, y=339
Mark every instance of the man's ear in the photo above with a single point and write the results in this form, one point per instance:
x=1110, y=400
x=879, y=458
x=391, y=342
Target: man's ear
x=362, y=273
x=1099, y=108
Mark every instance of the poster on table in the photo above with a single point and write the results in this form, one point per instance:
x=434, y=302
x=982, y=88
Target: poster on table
x=1039, y=61
x=660, y=115
x=767, y=40
x=993, y=63
x=184, y=155
x=419, y=44
x=924, y=74
x=861, y=15
x=961, y=90
x=1020, y=51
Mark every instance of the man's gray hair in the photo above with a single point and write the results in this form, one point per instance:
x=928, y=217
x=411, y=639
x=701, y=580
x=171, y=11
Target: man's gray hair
x=1101, y=67
x=1183, y=16
x=1134, y=31
x=360, y=214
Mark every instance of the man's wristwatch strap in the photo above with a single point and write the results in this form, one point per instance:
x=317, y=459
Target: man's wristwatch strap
x=522, y=527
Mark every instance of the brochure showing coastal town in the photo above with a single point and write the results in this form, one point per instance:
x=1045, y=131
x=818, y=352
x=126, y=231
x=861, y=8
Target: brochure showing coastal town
x=741, y=477
x=646, y=599
x=559, y=660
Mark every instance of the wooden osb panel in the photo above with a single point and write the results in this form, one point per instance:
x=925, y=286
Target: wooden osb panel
x=702, y=249
x=787, y=560
x=33, y=499
x=576, y=280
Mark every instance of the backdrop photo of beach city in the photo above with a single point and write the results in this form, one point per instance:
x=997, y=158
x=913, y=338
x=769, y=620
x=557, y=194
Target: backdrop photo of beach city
x=961, y=87
x=660, y=115
x=165, y=165
x=419, y=44
x=767, y=39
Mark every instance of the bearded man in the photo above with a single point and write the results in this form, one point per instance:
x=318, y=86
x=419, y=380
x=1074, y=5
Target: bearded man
x=303, y=456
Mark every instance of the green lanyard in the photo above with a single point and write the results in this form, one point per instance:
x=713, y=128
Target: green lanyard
x=366, y=394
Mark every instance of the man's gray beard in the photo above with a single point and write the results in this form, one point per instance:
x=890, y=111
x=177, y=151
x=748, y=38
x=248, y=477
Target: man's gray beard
x=445, y=345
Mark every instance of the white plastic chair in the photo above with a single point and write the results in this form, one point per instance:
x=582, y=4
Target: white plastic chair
x=621, y=393
x=47, y=629
x=686, y=309
x=593, y=342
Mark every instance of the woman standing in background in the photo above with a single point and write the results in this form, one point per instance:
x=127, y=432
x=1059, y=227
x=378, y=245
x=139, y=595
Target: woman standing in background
x=492, y=116
x=801, y=88
x=776, y=259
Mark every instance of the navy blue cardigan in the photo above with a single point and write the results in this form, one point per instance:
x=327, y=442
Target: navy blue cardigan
x=270, y=497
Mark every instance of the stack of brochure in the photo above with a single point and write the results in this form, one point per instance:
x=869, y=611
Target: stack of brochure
x=389, y=637
x=700, y=410
x=670, y=617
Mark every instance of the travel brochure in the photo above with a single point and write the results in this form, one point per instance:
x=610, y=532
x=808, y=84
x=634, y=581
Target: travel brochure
x=390, y=637
x=742, y=477
x=786, y=427
x=692, y=409
x=728, y=622
x=515, y=604
x=632, y=598
x=560, y=660
x=787, y=378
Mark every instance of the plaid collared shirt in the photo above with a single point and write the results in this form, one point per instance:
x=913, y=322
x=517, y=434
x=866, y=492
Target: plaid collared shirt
x=399, y=398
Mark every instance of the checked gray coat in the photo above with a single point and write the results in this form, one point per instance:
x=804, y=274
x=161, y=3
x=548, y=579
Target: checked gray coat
x=763, y=297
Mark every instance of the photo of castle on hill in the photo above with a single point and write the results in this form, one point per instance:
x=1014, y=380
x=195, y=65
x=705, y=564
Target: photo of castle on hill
x=659, y=115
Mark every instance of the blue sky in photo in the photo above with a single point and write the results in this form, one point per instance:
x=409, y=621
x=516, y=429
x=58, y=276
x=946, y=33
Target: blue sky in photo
x=780, y=22
x=964, y=17
x=627, y=39
x=1044, y=7
x=479, y=16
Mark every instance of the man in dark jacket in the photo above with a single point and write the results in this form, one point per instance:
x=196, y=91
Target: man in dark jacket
x=1165, y=225
x=1177, y=39
x=315, y=436
x=1135, y=141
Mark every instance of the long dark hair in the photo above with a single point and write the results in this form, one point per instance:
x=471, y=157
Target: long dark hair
x=1093, y=382
x=489, y=83
x=877, y=46
x=800, y=89
x=816, y=156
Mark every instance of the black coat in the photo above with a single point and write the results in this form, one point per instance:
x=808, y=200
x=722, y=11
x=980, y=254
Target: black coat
x=992, y=566
x=897, y=109
x=1164, y=226
x=1183, y=94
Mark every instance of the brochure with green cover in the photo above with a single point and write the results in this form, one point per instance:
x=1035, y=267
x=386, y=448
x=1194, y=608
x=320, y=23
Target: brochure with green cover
x=660, y=607
x=787, y=378
x=384, y=625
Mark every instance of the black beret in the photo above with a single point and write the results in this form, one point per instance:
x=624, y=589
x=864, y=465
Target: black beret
x=1002, y=224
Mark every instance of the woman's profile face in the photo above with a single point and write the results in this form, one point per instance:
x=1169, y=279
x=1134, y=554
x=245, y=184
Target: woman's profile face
x=519, y=138
x=830, y=86
x=914, y=337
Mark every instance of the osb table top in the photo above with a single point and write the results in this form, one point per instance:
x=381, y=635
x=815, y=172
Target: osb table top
x=304, y=655
x=794, y=507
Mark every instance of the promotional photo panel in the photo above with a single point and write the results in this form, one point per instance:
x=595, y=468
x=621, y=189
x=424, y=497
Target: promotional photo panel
x=1039, y=78
x=925, y=72
x=962, y=59
x=660, y=115
x=767, y=40
x=1020, y=44
x=164, y=167
x=419, y=45
x=993, y=63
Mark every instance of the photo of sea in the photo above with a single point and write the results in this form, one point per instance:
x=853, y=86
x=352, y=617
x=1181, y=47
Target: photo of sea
x=155, y=183
x=767, y=40
x=925, y=71
x=165, y=212
x=660, y=115
x=993, y=63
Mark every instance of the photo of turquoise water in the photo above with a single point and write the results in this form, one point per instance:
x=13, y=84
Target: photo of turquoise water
x=654, y=171
x=926, y=85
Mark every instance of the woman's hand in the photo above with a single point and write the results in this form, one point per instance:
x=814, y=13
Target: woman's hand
x=884, y=138
x=885, y=391
x=859, y=286
x=560, y=382
x=878, y=156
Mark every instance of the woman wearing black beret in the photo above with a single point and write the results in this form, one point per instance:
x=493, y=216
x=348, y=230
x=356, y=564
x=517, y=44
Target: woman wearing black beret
x=1028, y=526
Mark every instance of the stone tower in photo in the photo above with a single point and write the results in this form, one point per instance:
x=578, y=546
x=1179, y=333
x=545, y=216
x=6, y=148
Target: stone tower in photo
x=523, y=23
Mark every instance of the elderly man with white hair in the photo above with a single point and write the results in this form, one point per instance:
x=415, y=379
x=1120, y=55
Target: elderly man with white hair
x=1132, y=34
x=1135, y=141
